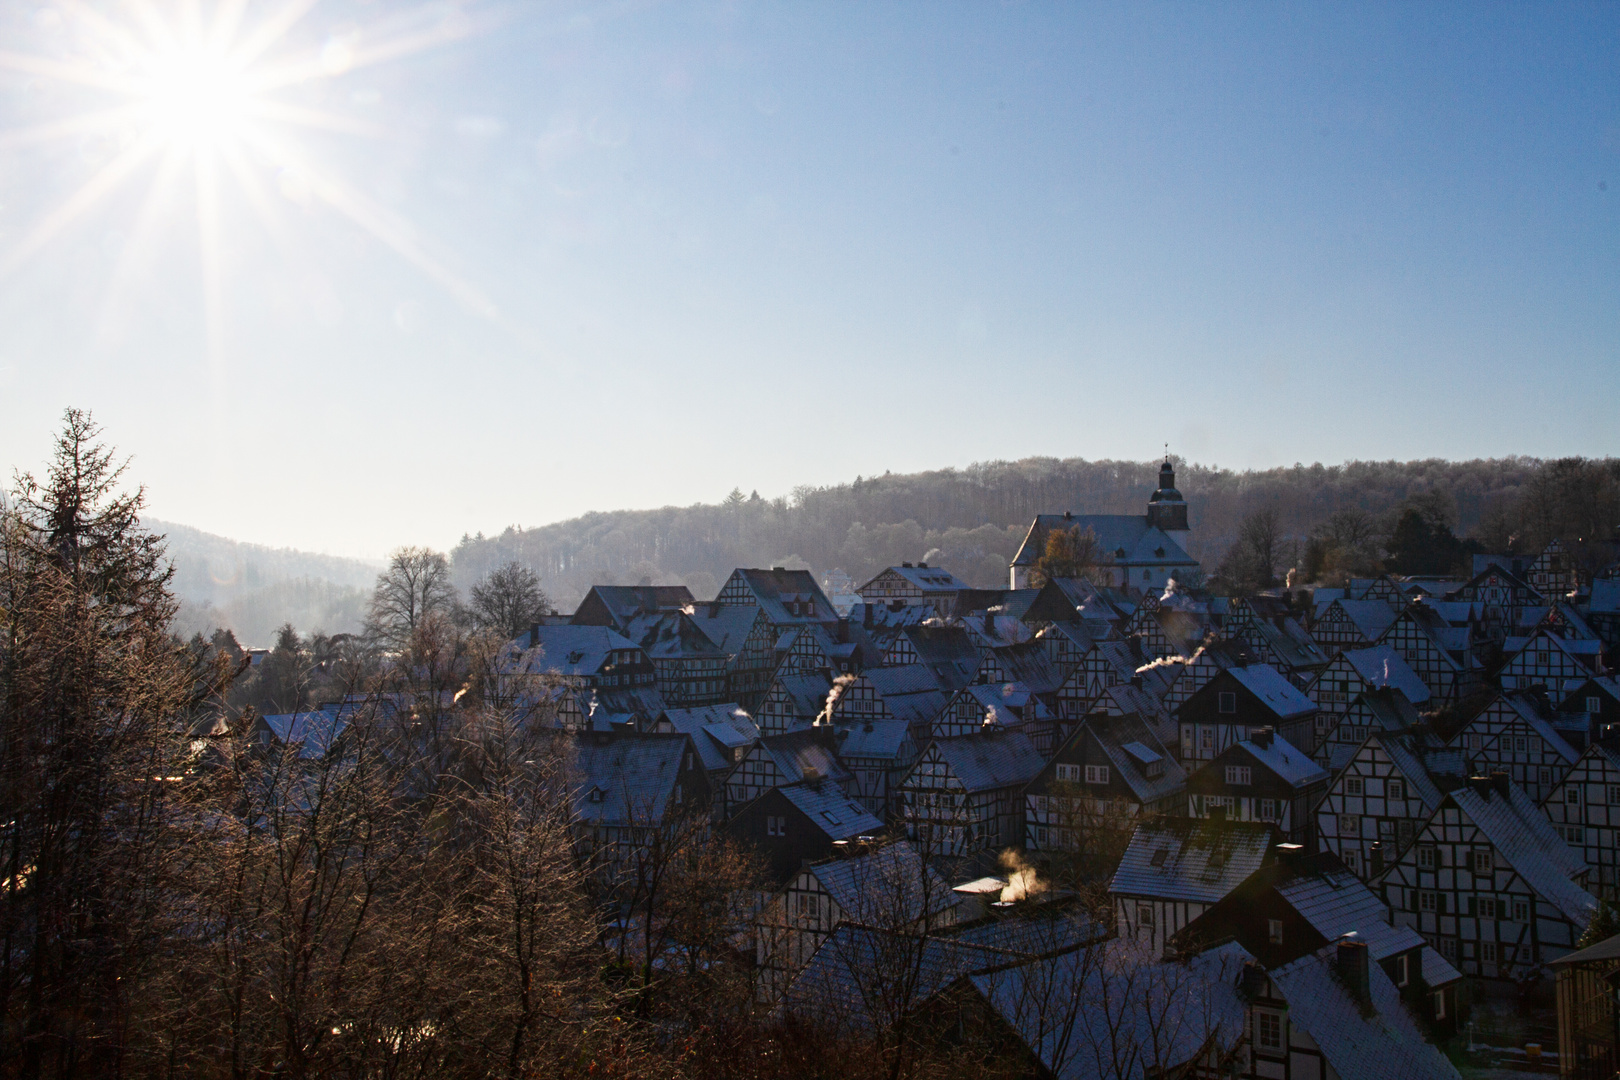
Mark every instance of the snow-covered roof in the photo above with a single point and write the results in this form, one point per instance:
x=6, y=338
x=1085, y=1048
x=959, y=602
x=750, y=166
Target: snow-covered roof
x=1190, y=858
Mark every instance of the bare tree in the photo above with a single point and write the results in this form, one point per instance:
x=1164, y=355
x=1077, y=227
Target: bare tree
x=509, y=600
x=415, y=585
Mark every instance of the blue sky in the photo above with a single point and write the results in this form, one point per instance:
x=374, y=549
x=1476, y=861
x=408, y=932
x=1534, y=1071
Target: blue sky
x=632, y=255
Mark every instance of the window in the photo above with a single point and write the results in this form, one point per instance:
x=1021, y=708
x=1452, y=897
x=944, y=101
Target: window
x=1428, y=901
x=1226, y=702
x=1594, y=705
x=1572, y=794
x=1448, y=948
x=1268, y=1030
x=1268, y=809
x=1096, y=774
x=1403, y=969
x=1545, y=776
x=1574, y=834
x=1521, y=911
x=1353, y=785
x=1614, y=794
x=1426, y=858
x=1482, y=862
x=1068, y=773
x=1521, y=745
x=1349, y=825
x=1209, y=739
x=1487, y=952
x=1439, y=1004
x=1541, y=659
x=1274, y=931
x=1144, y=915
x=1239, y=775
x=1395, y=789
x=1352, y=862
x=1485, y=908
x=805, y=905
x=775, y=826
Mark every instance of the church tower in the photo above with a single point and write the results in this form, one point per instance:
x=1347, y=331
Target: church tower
x=1167, y=510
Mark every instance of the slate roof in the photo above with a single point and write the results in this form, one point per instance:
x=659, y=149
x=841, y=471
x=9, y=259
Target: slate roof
x=716, y=731
x=1121, y=995
x=930, y=579
x=807, y=693
x=773, y=588
x=566, y=649
x=634, y=775
x=909, y=691
x=1001, y=702
x=1430, y=767
x=1381, y=1043
x=1382, y=666
x=948, y=653
x=725, y=625
x=624, y=602
x=1523, y=835
x=833, y=812
x=1607, y=949
x=1279, y=695
x=669, y=635
x=883, y=738
x=1030, y=664
x=312, y=732
x=1371, y=617
x=1130, y=744
x=1291, y=765
x=991, y=760
x=885, y=888
x=1336, y=902
x=1203, y=860
x=1525, y=706
x=1131, y=533
x=1605, y=598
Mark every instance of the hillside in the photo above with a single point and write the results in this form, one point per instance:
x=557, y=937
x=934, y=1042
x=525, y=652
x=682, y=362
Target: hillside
x=972, y=520
x=252, y=589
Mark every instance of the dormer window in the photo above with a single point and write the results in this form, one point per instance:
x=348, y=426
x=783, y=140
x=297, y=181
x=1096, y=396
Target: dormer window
x=1226, y=702
x=595, y=794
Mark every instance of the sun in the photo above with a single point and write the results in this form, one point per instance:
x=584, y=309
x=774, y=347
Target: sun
x=196, y=97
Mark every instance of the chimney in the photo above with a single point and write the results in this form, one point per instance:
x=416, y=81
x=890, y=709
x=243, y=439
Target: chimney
x=1289, y=852
x=843, y=630
x=1352, y=964
x=866, y=615
x=1481, y=786
x=1253, y=980
x=905, y=566
x=1375, y=858
x=1261, y=737
x=922, y=566
x=1499, y=781
x=1136, y=680
x=534, y=634
x=989, y=623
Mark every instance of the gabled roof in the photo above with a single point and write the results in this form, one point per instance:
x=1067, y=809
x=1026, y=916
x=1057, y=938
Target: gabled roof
x=948, y=652
x=1523, y=835
x=1525, y=706
x=669, y=635
x=1430, y=767
x=1131, y=746
x=1336, y=902
x=1371, y=617
x=832, y=811
x=1381, y=666
x=727, y=625
x=773, y=589
x=632, y=777
x=1191, y=859
x=806, y=693
x=1277, y=693
x=1142, y=544
x=929, y=579
x=1119, y=999
x=1605, y=598
x=991, y=760
x=566, y=649
x=890, y=887
x=804, y=755
x=716, y=730
x=620, y=603
x=1382, y=1042
x=885, y=738
x=1290, y=765
x=312, y=732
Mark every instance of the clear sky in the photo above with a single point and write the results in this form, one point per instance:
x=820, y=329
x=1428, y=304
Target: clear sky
x=414, y=271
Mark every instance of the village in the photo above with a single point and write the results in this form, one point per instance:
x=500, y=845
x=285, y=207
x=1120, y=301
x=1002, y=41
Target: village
x=1366, y=830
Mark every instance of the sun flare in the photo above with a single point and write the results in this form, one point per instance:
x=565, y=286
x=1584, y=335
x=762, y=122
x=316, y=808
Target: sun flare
x=196, y=98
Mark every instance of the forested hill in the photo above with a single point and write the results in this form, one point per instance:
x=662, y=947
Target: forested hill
x=253, y=589
x=972, y=520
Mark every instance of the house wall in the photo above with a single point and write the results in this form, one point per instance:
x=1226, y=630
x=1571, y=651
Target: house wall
x=1585, y=809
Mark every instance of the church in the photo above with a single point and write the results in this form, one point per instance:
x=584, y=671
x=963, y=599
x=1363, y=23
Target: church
x=1147, y=549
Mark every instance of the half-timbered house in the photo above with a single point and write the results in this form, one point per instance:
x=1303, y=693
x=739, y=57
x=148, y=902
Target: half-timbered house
x=1585, y=810
x=949, y=654
x=1300, y=903
x=1355, y=671
x=1109, y=773
x=1441, y=654
x=630, y=787
x=1261, y=778
x=793, y=702
x=1549, y=660
x=920, y=584
x=1376, y=805
x=806, y=756
x=1511, y=735
x=1235, y=702
x=690, y=669
x=1554, y=573
x=964, y=795
x=1596, y=702
x=1603, y=611
x=1491, y=883
x=1351, y=624
x=1140, y=698
x=1501, y=592
x=722, y=736
x=1267, y=625
x=617, y=605
x=799, y=823
x=874, y=745
x=1385, y=711
x=887, y=888
x=1174, y=869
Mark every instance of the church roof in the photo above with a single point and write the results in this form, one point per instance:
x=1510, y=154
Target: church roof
x=1143, y=544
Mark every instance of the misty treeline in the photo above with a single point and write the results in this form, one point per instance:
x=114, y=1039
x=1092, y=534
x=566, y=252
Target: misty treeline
x=972, y=520
x=394, y=890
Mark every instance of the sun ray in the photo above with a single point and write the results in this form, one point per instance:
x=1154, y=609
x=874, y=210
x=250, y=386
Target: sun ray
x=79, y=74
x=98, y=187
x=82, y=124
x=142, y=233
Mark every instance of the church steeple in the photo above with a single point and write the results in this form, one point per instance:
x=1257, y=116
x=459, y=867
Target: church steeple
x=1167, y=510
